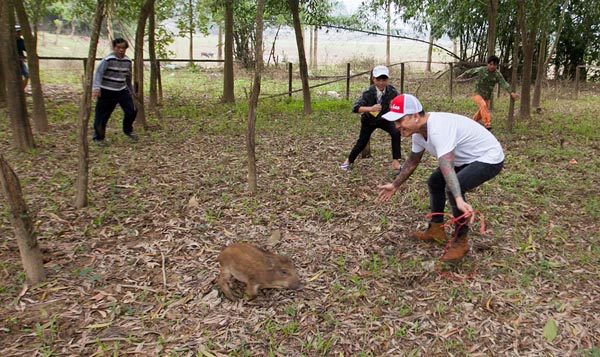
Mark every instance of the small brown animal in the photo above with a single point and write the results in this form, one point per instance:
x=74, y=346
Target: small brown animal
x=257, y=268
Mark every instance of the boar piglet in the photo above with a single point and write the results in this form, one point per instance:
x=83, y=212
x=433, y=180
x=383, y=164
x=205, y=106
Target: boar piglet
x=257, y=268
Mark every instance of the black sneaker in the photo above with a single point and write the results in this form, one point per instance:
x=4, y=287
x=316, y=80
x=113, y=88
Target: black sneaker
x=132, y=136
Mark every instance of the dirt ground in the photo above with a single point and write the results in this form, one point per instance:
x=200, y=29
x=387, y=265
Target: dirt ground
x=134, y=272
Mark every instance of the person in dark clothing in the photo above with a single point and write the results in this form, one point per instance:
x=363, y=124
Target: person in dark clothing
x=372, y=104
x=112, y=85
x=22, y=58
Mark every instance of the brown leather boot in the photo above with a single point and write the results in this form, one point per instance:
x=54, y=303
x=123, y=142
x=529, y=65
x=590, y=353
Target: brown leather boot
x=435, y=233
x=457, y=250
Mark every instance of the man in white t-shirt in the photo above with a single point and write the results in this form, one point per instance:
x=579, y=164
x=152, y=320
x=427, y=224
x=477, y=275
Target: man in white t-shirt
x=468, y=155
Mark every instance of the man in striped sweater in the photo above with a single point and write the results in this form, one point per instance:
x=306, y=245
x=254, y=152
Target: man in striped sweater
x=112, y=86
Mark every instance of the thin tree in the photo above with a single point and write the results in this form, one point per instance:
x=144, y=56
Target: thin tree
x=545, y=56
x=31, y=256
x=253, y=102
x=154, y=68
x=39, y=116
x=228, y=96
x=514, y=76
x=529, y=20
x=138, y=73
x=295, y=8
x=17, y=110
x=85, y=109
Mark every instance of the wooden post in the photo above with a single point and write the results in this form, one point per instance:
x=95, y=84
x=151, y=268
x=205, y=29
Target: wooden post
x=451, y=79
x=402, y=77
x=347, y=81
x=577, y=82
x=289, y=79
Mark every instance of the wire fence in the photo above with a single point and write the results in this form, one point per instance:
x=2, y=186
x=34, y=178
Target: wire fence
x=341, y=81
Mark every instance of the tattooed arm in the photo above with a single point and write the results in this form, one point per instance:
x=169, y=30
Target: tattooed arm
x=447, y=167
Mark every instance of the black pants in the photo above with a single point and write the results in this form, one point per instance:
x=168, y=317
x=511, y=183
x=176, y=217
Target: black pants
x=469, y=176
x=105, y=105
x=368, y=124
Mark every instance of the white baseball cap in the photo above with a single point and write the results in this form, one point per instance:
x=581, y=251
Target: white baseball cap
x=402, y=105
x=379, y=71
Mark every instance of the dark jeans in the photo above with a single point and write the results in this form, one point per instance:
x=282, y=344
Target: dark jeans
x=368, y=124
x=469, y=176
x=105, y=105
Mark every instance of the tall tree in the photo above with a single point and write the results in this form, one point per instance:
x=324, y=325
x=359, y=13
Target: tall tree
x=154, y=67
x=85, y=109
x=39, y=116
x=138, y=73
x=31, y=256
x=492, y=13
x=545, y=56
x=17, y=110
x=295, y=8
x=228, y=96
x=253, y=102
x=529, y=19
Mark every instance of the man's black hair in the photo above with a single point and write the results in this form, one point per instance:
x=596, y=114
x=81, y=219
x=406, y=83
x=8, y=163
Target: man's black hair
x=119, y=40
x=494, y=59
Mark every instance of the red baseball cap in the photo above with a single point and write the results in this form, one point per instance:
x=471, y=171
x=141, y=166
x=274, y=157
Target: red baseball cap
x=402, y=105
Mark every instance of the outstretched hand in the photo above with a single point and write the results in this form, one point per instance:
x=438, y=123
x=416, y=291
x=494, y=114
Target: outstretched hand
x=386, y=191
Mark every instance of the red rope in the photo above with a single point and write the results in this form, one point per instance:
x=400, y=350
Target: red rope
x=459, y=221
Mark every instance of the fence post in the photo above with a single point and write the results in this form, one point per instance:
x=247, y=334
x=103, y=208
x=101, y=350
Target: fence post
x=289, y=79
x=84, y=64
x=451, y=79
x=577, y=82
x=402, y=77
x=347, y=81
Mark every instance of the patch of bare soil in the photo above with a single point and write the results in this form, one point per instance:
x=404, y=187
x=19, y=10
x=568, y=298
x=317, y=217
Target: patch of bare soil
x=134, y=273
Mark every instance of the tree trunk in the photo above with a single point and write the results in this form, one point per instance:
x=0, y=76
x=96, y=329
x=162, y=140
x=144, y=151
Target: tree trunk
x=492, y=20
x=31, y=256
x=529, y=32
x=429, y=53
x=153, y=97
x=540, y=73
x=253, y=104
x=220, y=42
x=389, y=33
x=2, y=85
x=85, y=109
x=294, y=6
x=138, y=73
x=40, y=118
x=191, y=28
x=311, y=56
x=315, y=53
x=228, y=96
x=17, y=109
x=514, y=77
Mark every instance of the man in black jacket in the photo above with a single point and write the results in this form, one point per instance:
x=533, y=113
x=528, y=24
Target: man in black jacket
x=372, y=104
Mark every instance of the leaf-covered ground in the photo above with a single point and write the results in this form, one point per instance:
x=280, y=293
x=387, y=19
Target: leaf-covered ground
x=134, y=273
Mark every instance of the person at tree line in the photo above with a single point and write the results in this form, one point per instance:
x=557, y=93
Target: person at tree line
x=467, y=153
x=487, y=78
x=22, y=58
x=372, y=104
x=112, y=85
